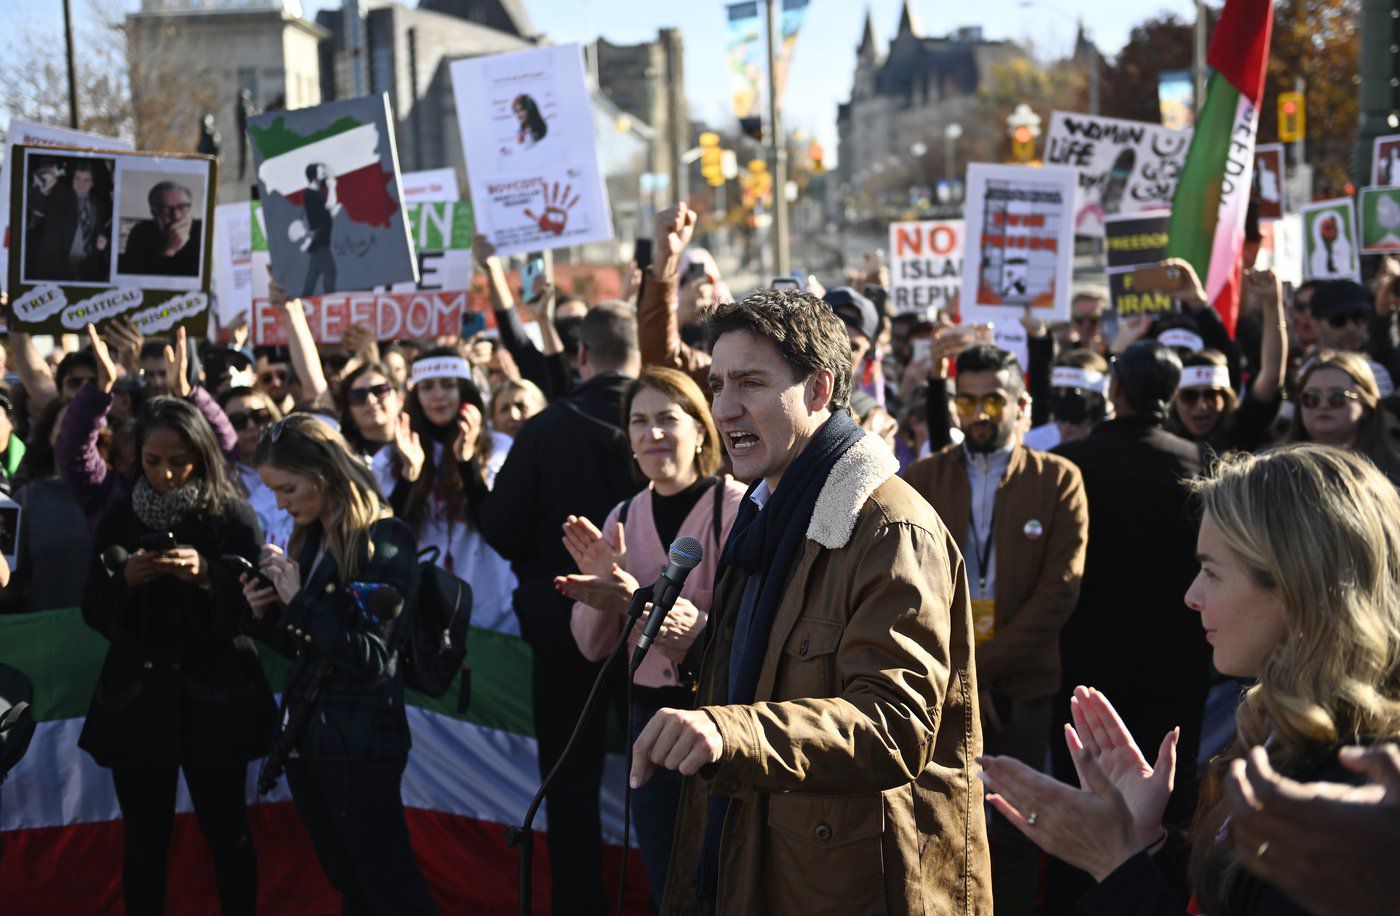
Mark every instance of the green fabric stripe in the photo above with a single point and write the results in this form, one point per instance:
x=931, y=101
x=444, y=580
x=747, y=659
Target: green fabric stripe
x=259, y=239
x=62, y=656
x=1196, y=206
x=276, y=139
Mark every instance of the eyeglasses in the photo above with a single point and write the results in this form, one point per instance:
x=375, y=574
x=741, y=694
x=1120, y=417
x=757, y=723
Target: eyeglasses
x=358, y=396
x=1342, y=319
x=1312, y=399
x=274, y=432
x=1091, y=320
x=241, y=418
x=1193, y=396
x=1071, y=408
x=991, y=404
x=273, y=377
x=177, y=210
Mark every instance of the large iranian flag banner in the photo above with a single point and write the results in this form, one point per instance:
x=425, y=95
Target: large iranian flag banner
x=1208, y=211
x=467, y=777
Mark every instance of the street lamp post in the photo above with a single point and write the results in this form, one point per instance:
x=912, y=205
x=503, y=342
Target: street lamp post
x=951, y=133
x=778, y=146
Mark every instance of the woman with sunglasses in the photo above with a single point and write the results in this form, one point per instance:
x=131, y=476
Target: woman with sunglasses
x=321, y=611
x=372, y=405
x=250, y=411
x=1315, y=623
x=1078, y=399
x=439, y=472
x=1339, y=404
x=178, y=691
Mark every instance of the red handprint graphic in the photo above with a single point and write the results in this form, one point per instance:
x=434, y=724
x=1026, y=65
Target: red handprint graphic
x=557, y=204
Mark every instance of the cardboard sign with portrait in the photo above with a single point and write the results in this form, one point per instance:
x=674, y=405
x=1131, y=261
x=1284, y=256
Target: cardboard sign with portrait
x=1385, y=161
x=1380, y=220
x=1330, y=250
x=100, y=234
x=1270, y=180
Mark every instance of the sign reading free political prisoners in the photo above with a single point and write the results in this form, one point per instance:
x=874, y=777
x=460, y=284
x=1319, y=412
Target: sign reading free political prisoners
x=1019, y=243
x=926, y=265
x=431, y=306
x=1123, y=166
x=101, y=234
x=532, y=160
x=329, y=181
x=1132, y=242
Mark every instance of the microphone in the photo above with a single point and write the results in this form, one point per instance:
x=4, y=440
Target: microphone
x=114, y=560
x=685, y=554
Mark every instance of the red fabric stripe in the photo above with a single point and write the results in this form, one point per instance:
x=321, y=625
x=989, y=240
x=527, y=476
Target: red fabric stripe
x=1239, y=49
x=76, y=871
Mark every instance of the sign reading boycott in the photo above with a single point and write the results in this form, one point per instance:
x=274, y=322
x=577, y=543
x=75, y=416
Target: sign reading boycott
x=1133, y=242
x=926, y=264
x=432, y=306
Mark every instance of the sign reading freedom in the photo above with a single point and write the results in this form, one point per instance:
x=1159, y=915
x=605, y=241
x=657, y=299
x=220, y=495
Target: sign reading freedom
x=393, y=316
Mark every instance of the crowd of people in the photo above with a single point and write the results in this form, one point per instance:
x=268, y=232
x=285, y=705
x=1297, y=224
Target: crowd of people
x=924, y=564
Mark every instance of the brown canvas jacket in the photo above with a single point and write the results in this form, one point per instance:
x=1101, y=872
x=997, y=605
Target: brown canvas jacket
x=852, y=776
x=659, y=333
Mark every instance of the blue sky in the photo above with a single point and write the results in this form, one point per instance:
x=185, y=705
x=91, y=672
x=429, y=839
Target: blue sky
x=825, y=55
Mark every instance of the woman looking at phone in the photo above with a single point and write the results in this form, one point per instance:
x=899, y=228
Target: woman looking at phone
x=178, y=690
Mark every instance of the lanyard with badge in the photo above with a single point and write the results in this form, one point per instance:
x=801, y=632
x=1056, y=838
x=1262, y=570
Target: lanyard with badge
x=984, y=609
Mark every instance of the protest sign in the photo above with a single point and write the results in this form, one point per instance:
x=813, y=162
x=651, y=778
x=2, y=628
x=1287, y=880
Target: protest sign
x=233, y=262
x=1019, y=242
x=435, y=185
x=328, y=178
x=1269, y=180
x=101, y=234
x=1385, y=161
x=32, y=134
x=1380, y=220
x=926, y=265
x=1123, y=166
x=431, y=306
x=1132, y=242
x=1329, y=241
x=532, y=159
x=1281, y=248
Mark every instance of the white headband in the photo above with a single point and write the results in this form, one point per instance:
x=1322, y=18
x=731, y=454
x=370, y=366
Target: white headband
x=441, y=367
x=1205, y=377
x=1083, y=379
x=1180, y=337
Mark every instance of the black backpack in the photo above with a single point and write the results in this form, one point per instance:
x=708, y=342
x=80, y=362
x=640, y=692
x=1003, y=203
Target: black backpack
x=435, y=649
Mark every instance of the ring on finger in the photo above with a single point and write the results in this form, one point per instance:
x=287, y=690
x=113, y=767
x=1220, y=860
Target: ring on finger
x=1263, y=848
x=1031, y=819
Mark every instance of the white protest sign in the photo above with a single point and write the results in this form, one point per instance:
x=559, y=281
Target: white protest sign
x=1123, y=166
x=926, y=265
x=1019, y=243
x=1330, y=250
x=433, y=185
x=233, y=262
x=32, y=134
x=532, y=159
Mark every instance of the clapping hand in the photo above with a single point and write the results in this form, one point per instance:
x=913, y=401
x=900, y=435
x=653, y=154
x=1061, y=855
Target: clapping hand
x=408, y=447
x=590, y=550
x=609, y=592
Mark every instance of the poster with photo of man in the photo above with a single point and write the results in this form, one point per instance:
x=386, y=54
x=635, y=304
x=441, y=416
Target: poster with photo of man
x=98, y=234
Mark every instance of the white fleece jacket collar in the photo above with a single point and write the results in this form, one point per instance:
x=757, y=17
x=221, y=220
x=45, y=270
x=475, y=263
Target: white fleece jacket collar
x=853, y=478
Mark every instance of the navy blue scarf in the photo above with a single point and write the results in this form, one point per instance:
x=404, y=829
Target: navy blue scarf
x=768, y=541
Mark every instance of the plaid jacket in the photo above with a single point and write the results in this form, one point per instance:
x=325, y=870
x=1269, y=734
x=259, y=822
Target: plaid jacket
x=359, y=712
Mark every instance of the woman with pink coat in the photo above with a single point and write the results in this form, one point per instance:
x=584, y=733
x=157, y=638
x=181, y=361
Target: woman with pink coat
x=675, y=445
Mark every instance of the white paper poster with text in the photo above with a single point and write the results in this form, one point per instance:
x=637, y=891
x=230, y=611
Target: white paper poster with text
x=233, y=262
x=532, y=159
x=1124, y=167
x=926, y=265
x=1019, y=243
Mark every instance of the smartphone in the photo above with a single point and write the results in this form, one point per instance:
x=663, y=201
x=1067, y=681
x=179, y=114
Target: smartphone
x=785, y=283
x=533, y=270
x=1165, y=279
x=922, y=347
x=157, y=541
x=242, y=567
x=473, y=323
x=694, y=273
x=641, y=254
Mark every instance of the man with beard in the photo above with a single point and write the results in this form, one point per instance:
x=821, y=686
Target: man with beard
x=1022, y=521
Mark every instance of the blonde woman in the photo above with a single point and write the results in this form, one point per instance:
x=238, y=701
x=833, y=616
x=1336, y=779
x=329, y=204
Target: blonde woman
x=1339, y=404
x=1315, y=620
x=348, y=762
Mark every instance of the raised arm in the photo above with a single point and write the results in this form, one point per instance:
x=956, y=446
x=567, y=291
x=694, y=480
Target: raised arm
x=306, y=359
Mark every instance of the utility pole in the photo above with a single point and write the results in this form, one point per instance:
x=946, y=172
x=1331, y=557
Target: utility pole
x=72, y=71
x=1379, y=92
x=778, y=149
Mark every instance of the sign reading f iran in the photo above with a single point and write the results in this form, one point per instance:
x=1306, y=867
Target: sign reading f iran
x=926, y=264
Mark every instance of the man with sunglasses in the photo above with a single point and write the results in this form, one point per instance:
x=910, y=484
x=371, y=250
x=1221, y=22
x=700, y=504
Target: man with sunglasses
x=1343, y=314
x=170, y=242
x=1087, y=310
x=1022, y=522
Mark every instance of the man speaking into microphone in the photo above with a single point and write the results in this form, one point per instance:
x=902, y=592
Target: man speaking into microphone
x=829, y=762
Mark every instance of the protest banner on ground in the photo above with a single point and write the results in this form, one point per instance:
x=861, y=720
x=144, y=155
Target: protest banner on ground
x=433, y=185
x=1123, y=166
x=233, y=263
x=1281, y=248
x=431, y=306
x=1269, y=180
x=1133, y=242
x=1019, y=242
x=532, y=159
x=926, y=265
x=1385, y=161
x=102, y=234
x=1380, y=220
x=31, y=134
x=328, y=178
x=1329, y=240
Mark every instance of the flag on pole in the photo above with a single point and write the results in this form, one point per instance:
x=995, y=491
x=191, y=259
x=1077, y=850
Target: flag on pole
x=1207, y=226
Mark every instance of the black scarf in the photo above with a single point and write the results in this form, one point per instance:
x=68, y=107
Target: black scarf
x=768, y=541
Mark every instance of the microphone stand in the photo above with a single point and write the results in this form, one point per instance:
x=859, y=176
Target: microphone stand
x=523, y=836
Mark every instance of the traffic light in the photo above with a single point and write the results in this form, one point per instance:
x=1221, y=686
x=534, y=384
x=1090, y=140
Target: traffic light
x=1292, y=120
x=1025, y=127
x=711, y=159
x=816, y=154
